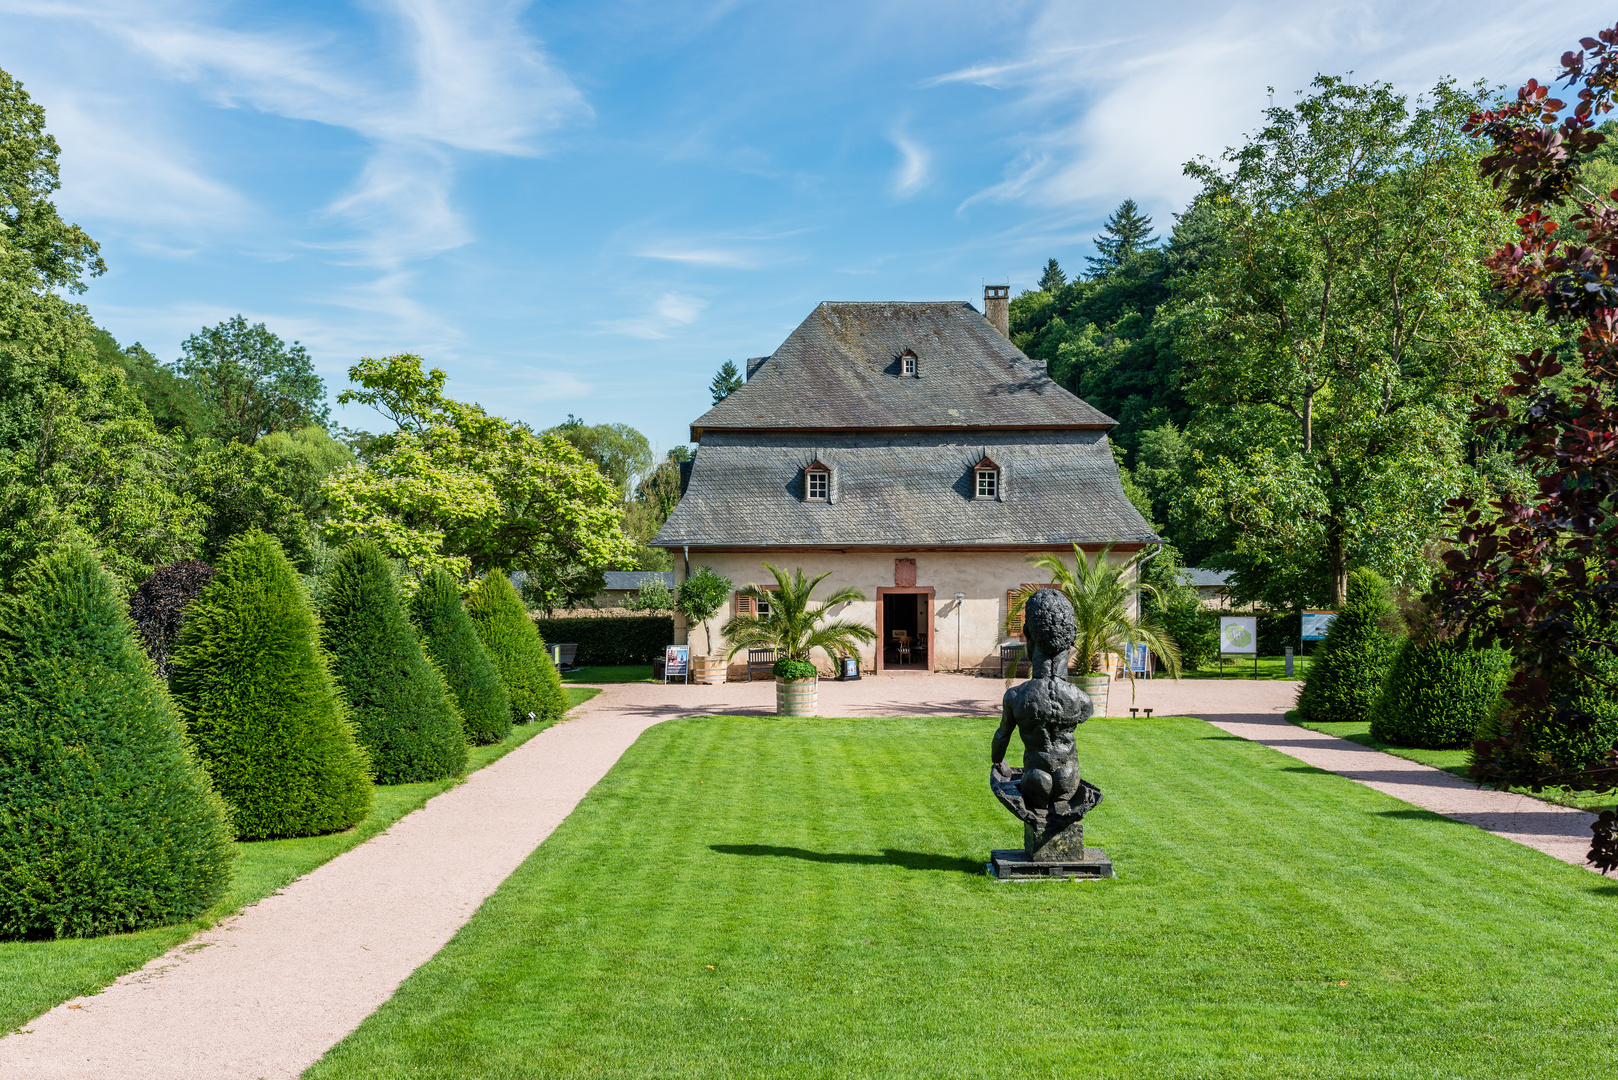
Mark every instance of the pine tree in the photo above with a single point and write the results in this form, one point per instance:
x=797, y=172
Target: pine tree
x=453, y=644
x=1127, y=231
x=1053, y=280
x=517, y=650
x=258, y=697
x=726, y=382
x=107, y=819
x=1347, y=672
x=405, y=714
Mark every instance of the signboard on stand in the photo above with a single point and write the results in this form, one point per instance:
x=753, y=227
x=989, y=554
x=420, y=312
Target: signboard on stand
x=677, y=663
x=1316, y=623
x=1238, y=634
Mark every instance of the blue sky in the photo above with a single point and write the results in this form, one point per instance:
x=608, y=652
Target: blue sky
x=586, y=207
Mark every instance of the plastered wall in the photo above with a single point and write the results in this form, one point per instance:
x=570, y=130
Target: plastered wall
x=976, y=622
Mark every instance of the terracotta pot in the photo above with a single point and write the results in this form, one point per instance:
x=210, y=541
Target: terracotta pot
x=797, y=697
x=710, y=670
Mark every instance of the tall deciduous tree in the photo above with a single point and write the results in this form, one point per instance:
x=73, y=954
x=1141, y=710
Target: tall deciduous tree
x=250, y=382
x=455, y=487
x=1539, y=570
x=1338, y=334
x=621, y=453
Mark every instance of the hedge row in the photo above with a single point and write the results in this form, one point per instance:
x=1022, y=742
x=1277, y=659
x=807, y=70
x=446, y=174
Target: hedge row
x=633, y=639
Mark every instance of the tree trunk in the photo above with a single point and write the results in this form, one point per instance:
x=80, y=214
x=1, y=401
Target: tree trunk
x=1308, y=421
x=1336, y=560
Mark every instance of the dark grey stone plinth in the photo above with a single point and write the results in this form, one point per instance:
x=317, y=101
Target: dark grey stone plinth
x=1090, y=864
x=1054, y=838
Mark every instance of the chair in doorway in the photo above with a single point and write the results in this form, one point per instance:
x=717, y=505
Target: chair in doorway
x=902, y=640
x=760, y=662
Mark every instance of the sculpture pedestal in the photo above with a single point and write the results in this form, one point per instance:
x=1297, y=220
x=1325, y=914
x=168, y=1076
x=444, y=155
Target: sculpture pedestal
x=1054, y=838
x=1090, y=864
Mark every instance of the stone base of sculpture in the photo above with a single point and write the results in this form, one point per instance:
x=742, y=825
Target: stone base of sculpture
x=1013, y=864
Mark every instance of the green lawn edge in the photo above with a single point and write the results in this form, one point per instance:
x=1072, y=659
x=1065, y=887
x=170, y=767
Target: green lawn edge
x=36, y=976
x=609, y=673
x=1457, y=762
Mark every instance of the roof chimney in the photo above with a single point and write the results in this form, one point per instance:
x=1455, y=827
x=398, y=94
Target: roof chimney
x=997, y=307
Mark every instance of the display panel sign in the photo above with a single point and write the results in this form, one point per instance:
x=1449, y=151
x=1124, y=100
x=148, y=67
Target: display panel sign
x=1138, y=659
x=675, y=659
x=1238, y=634
x=1315, y=624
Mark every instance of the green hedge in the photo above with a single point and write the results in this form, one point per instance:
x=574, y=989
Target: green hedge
x=107, y=820
x=1437, y=695
x=1347, y=672
x=635, y=639
x=452, y=641
x=1550, y=749
x=404, y=712
x=518, y=652
x=258, y=697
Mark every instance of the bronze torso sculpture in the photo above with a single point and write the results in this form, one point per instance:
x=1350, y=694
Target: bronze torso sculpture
x=1047, y=792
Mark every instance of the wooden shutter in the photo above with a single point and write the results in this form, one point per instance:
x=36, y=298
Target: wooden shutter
x=745, y=605
x=1015, y=625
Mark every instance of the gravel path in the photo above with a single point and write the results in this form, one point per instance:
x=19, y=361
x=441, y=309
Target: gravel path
x=266, y=993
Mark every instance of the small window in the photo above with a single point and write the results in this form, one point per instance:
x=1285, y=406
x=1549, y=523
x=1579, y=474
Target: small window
x=753, y=605
x=907, y=365
x=763, y=605
x=988, y=483
x=817, y=484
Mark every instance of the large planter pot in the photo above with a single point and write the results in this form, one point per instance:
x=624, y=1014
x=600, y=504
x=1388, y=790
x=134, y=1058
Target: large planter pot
x=1096, y=685
x=796, y=697
x=709, y=669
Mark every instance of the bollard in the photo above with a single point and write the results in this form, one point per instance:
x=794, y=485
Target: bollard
x=1289, y=661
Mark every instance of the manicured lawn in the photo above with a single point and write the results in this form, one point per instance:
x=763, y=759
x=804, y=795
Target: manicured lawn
x=610, y=673
x=1269, y=667
x=38, y=975
x=1455, y=761
x=760, y=897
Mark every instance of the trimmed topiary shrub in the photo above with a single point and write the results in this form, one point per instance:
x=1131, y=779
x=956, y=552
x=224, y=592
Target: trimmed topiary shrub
x=258, y=697
x=402, y=709
x=158, y=606
x=611, y=639
x=453, y=644
x=794, y=669
x=517, y=650
x=1349, y=667
x=1549, y=749
x=107, y=820
x=1437, y=693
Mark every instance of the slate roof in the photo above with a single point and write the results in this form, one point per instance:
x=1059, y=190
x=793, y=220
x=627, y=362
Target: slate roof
x=903, y=489
x=633, y=579
x=840, y=369
x=1206, y=578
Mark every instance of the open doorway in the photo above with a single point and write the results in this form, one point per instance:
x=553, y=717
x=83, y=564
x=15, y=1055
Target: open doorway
x=904, y=619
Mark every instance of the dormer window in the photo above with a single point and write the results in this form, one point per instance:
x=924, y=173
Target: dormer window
x=907, y=364
x=817, y=483
x=986, y=480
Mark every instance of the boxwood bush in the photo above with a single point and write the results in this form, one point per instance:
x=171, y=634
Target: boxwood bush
x=794, y=669
x=1558, y=749
x=1437, y=693
x=453, y=644
x=403, y=711
x=107, y=820
x=633, y=639
x=517, y=650
x=258, y=697
x=1347, y=671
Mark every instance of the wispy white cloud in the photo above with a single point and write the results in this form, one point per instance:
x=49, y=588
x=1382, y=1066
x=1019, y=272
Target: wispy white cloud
x=915, y=166
x=733, y=260
x=668, y=313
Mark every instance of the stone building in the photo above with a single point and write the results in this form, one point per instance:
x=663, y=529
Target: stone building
x=913, y=452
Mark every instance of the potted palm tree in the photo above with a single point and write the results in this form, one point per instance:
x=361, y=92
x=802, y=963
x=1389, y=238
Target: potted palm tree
x=1102, y=594
x=794, y=630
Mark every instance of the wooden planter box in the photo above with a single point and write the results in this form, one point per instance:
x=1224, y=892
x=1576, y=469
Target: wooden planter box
x=709, y=669
x=796, y=697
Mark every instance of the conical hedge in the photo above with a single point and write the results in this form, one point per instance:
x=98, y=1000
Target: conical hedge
x=107, y=820
x=1437, y=694
x=401, y=707
x=257, y=694
x=1347, y=670
x=453, y=644
x=517, y=650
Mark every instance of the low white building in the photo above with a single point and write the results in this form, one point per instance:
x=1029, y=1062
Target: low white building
x=911, y=451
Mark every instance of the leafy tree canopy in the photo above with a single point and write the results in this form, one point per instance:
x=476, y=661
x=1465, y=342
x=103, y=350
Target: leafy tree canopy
x=455, y=487
x=621, y=453
x=250, y=382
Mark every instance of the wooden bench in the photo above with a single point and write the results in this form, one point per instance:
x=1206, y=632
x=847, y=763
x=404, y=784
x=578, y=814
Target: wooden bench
x=760, y=662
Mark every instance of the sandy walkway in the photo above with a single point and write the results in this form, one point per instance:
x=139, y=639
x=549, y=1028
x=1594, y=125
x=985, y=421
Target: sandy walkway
x=266, y=993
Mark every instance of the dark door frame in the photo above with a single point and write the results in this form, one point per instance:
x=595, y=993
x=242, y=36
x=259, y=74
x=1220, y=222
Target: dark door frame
x=932, y=612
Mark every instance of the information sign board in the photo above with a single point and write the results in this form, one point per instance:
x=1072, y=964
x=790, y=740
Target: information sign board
x=677, y=662
x=1315, y=624
x=1238, y=634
